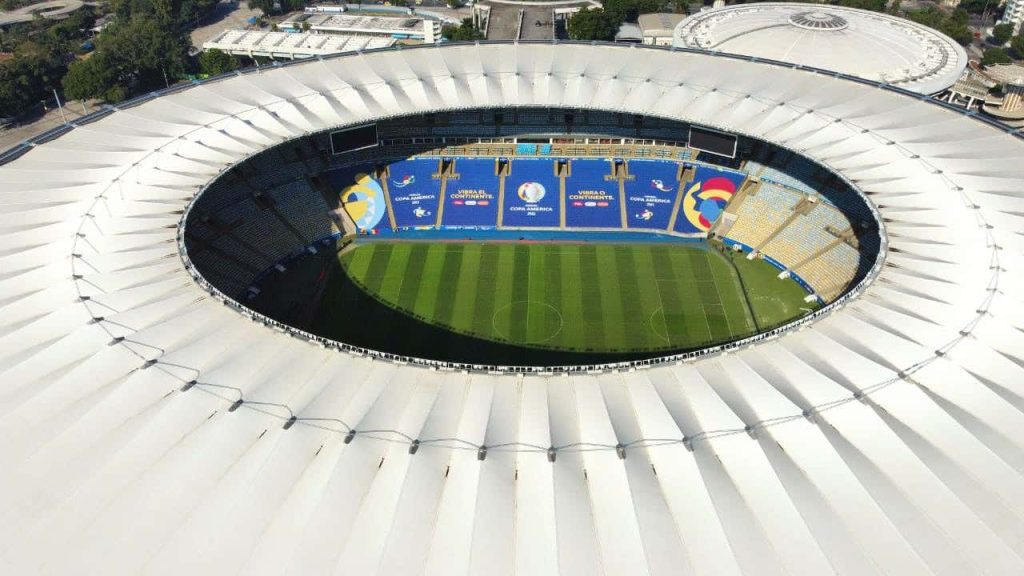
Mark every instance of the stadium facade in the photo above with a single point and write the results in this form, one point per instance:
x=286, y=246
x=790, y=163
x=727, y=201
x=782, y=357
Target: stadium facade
x=147, y=426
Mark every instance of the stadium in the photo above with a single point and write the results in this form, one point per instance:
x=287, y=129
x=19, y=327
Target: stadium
x=588, y=237
x=515, y=308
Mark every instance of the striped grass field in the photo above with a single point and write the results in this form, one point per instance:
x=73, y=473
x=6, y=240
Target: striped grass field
x=575, y=297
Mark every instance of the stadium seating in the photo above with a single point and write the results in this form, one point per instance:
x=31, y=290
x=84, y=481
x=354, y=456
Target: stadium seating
x=271, y=209
x=591, y=200
x=651, y=193
x=471, y=198
x=226, y=275
x=305, y=209
x=799, y=240
x=831, y=272
x=762, y=213
x=532, y=195
x=534, y=117
x=704, y=198
x=414, y=192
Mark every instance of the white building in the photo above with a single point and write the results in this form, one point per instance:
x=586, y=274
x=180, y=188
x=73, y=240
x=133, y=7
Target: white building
x=292, y=45
x=658, y=29
x=1014, y=14
x=425, y=30
x=861, y=43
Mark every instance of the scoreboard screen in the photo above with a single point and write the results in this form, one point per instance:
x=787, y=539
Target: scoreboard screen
x=353, y=138
x=713, y=141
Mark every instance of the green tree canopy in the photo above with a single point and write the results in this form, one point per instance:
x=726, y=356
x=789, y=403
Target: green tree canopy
x=464, y=32
x=594, y=24
x=953, y=25
x=995, y=56
x=268, y=6
x=629, y=10
x=179, y=12
x=873, y=5
x=1017, y=45
x=977, y=6
x=1002, y=33
x=131, y=57
x=214, y=62
x=28, y=78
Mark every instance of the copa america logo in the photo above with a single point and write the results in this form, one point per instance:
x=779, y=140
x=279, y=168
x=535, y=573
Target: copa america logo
x=531, y=192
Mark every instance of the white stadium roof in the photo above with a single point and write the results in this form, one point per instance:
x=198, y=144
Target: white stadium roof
x=884, y=438
x=861, y=43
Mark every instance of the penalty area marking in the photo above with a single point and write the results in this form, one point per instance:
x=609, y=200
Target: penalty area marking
x=494, y=320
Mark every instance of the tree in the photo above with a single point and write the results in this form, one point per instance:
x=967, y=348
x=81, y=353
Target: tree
x=873, y=5
x=629, y=10
x=594, y=24
x=214, y=62
x=995, y=56
x=976, y=6
x=953, y=25
x=131, y=57
x=265, y=6
x=28, y=78
x=464, y=32
x=1002, y=33
x=1017, y=45
x=274, y=6
x=92, y=78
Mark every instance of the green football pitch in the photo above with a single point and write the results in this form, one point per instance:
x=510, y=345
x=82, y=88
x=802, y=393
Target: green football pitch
x=520, y=303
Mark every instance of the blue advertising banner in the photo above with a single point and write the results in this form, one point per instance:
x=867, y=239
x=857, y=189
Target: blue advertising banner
x=531, y=194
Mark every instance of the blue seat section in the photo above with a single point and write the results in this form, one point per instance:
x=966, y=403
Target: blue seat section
x=362, y=196
x=472, y=198
x=705, y=197
x=591, y=201
x=651, y=194
x=531, y=194
x=414, y=192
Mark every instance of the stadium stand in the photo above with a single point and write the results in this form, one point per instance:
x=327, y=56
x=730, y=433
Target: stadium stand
x=798, y=240
x=793, y=171
x=532, y=194
x=704, y=197
x=227, y=275
x=592, y=200
x=651, y=191
x=414, y=187
x=301, y=205
x=831, y=272
x=270, y=209
x=471, y=196
x=761, y=214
